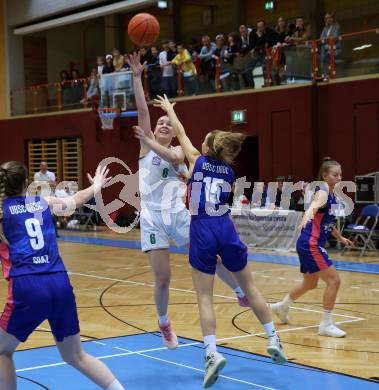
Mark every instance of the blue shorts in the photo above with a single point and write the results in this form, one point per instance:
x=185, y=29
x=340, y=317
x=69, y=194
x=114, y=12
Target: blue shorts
x=212, y=236
x=35, y=298
x=313, y=257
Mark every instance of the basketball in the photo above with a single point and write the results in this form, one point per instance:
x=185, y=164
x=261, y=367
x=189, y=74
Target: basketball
x=143, y=29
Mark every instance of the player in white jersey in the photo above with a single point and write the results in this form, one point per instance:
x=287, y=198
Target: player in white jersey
x=164, y=217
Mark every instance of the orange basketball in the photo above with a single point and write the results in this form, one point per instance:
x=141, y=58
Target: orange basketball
x=143, y=29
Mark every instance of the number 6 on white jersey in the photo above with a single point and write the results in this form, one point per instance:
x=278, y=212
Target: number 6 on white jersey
x=33, y=228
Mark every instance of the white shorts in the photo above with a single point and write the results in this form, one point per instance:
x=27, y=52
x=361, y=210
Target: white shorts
x=159, y=227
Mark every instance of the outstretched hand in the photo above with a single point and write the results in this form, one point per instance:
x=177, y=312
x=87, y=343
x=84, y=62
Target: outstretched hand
x=163, y=103
x=100, y=178
x=134, y=61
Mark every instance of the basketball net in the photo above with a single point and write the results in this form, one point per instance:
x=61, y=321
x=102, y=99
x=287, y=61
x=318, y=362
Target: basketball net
x=107, y=116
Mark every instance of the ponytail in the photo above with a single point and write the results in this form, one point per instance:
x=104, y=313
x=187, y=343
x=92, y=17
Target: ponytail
x=225, y=145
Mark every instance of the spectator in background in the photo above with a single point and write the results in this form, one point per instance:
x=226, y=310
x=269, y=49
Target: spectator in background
x=118, y=60
x=172, y=50
x=93, y=91
x=168, y=82
x=108, y=67
x=302, y=32
x=245, y=38
x=218, y=59
x=277, y=54
x=100, y=65
x=106, y=82
x=230, y=53
x=281, y=31
x=126, y=66
x=329, y=36
x=65, y=87
x=189, y=73
x=206, y=55
x=260, y=39
x=193, y=46
x=154, y=73
x=77, y=87
x=46, y=176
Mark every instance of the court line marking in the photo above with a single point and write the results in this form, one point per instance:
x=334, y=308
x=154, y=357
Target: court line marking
x=143, y=353
x=194, y=292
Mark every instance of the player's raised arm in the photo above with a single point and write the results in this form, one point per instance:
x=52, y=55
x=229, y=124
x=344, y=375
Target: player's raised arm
x=189, y=150
x=83, y=196
x=137, y=68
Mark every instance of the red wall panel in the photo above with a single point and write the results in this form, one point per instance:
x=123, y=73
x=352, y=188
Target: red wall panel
x=295, y=127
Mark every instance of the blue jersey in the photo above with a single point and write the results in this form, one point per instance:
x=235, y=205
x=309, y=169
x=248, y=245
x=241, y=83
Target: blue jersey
x=31, y=246
x=210, y=187
x=318, y=230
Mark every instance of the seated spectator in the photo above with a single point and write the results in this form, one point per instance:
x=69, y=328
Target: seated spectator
x=93, y=90
x=329, y=36
x=168, y=82
x=260, y=39
x=118, y=60
x=100, y=65
x=188, y=69
x=302, y=32
x=282, y=197
x=44, y=175
x=206, y=54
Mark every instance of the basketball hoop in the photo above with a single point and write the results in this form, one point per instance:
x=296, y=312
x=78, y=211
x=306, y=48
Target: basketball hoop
x=107, y=116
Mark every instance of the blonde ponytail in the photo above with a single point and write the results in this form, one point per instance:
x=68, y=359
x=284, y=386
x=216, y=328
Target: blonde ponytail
x=225, y=145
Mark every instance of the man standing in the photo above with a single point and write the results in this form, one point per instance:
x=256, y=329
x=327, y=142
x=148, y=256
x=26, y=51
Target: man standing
x=44, y=175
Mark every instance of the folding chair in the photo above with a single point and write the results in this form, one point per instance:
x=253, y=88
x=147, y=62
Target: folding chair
x=362, y=232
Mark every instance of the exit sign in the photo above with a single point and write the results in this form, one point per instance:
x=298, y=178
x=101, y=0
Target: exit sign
x=269, y=5
x=239, y=116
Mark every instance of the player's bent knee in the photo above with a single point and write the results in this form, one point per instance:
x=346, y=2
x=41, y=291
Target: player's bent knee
x=74, y=359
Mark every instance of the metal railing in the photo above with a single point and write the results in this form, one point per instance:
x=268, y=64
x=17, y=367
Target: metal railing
x=347, y=55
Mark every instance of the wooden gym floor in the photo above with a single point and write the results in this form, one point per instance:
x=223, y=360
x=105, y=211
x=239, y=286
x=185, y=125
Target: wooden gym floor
x=114, y=292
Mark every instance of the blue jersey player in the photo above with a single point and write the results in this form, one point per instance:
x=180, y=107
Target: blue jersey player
x=212, y=233
x=317, y=225
x=38, y=285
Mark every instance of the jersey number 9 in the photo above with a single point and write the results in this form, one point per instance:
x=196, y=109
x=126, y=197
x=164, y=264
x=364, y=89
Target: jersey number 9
x=33, y=227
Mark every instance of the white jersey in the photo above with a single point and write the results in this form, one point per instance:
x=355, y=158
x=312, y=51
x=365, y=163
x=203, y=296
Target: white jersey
x=160, y=183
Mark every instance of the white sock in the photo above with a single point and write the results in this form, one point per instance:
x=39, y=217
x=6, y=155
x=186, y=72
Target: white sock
x=327, y=319
x=270, y=329
x=239, y=292
x=287, y=301
x=210, y=344
x=115, y=385
x=163, y=320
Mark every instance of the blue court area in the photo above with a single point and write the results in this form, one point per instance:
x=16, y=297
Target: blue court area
x=276, y=258
x=141, y=363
